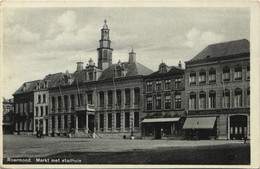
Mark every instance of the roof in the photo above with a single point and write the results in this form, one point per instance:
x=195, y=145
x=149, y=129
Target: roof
x=133, y=69
x=29, y=86
x=199, y=123
x=224, y=49
x=54, y=79
x=172, y=70
x=8, y=100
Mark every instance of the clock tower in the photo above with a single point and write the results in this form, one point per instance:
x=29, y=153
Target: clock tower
x=104, y=50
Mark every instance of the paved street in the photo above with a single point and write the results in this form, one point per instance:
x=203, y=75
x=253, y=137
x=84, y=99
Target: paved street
x=29, y=146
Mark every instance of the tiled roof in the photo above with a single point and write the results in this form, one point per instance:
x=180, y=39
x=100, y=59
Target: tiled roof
x=29, y=86
x=224, y=49
x=54, y=79
x=173, y=70
x=133, y=69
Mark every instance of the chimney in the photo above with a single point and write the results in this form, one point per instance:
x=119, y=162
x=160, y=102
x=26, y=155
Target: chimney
x=132, y=56
x=79, y=66
x=179, y=64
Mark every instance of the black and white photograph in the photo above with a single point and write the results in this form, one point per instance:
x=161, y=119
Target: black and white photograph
x=127, y=85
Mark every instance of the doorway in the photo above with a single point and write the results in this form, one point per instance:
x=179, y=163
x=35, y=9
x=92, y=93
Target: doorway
x=238, y=127
x=157, y=132
x=91, y=122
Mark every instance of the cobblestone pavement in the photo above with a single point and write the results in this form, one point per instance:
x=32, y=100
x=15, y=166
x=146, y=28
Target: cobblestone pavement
x=30, y=146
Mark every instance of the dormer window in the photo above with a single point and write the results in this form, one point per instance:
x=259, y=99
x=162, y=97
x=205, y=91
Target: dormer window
x=46, y=84
x=120, y=70
x=90, y=76
x=38, y=86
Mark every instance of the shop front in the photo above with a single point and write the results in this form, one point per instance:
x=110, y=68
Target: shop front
x=200, y=128
x=161, y=128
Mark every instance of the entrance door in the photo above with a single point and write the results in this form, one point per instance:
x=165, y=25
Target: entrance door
x=91, y=122
x=81, y=120
x=238, y=126
x=46, y=127
x=157, y=130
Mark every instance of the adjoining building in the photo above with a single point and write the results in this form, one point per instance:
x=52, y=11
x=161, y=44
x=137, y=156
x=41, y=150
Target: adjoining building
x=164, y=105
x=217, y=92
x=8, y=114
x=105, y=99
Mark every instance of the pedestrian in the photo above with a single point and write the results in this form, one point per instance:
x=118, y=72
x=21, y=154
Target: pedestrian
x=245, y=136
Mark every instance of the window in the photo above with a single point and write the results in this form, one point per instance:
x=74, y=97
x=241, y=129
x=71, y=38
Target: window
x=53, y=103
x=177, y=83
x=192, y=78
x=110, y=97
x=202, y=100
x=248, y=73
x=109, y=116
x=118, y=120
x=59, y=122
x=39, y=98
x=238, y=73
x=226, y=98
x=212, y=99
x=238, y=98
x=177, y=101
x=44, y=98
x=127, y=120
x=7, y=109
x=90, y=75
x=65, y=121
x=192, y=101
x=46, y=111
x=226, y=74
x=59, y=103
x=118, y=97
x=202, y=77
x=72, y=101
x=101, y=121
x=105, y=55
x=127, y=96
x=118, y=71
x=158, y=102
x=149, y=86
x=137, y=95
x=66, y=102
x=41, y=113
x=25, y=107
x=248, y=97
x=21, y=108
x=168, y=102
x=90, y=100
x=136, y=119
x=158, y=85
x=72, y=123
x=212, y=75
x=16, y=108
x=167, y=84
x=31, y=107
x=149, y=104
x=101, y=98
x=36, y=111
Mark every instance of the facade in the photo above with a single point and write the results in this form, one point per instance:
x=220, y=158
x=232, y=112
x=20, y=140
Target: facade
x=8, y=110
x=164, y=105
x=105, y=99
x=23, y=107
x=217, y=92
x=41, y=102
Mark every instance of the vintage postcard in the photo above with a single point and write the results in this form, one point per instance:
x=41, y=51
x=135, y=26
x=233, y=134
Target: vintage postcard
x=130, y=84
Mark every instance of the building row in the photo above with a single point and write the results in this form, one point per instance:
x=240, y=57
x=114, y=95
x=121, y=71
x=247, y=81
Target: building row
x=208, y=98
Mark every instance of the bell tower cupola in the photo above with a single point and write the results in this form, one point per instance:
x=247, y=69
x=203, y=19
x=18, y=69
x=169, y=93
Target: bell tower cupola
x=104, y=50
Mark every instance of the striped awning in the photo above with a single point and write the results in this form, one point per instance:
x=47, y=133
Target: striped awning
x=160, y=120
x=199, y=123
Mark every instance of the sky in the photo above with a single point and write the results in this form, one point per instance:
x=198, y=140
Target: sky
x=41, y=41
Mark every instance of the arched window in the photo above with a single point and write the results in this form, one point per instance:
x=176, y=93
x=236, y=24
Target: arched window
x=212, y=75
x=238, y=98
x=202, y=76
x=105, y=54
x=202, y=100
x=192, y=78
x=192, y=101
x=226, y=98
x=212, y=99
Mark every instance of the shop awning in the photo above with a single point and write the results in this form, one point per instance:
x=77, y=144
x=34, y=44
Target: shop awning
x=199, y=123
x=160, y=120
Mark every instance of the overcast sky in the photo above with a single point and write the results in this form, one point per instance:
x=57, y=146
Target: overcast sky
x=40, y=41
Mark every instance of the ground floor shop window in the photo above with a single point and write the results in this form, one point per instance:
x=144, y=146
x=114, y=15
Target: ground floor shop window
x=136, y=119
x=101, y=122
x=65, y=122
x=59, y=122
x=118, y=120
